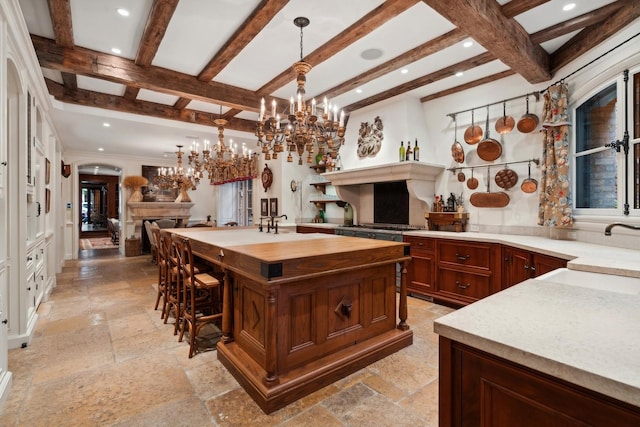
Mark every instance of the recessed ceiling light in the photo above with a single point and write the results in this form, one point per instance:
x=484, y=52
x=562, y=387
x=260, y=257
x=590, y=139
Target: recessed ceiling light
x=404, y=71
x=358, y=90
x=467, y=44
x=569, y=6
x=459, y=74
x=100, y=149
x=371, y=54
x=106, y=124
x=122, y=11
x=116, y=50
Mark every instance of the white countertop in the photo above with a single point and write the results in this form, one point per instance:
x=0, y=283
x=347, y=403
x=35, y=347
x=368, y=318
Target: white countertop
x=582, y=256
x=581, y=327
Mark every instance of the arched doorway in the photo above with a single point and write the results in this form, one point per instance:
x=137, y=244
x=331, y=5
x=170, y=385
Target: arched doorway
x=99, y=201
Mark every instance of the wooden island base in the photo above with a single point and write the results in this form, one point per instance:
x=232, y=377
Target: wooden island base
x=313, y=376
x=301, y=311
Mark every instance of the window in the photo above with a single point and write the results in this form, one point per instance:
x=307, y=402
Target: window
x=602, y=182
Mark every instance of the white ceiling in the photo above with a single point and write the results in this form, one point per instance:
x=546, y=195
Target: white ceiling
x=199, y=28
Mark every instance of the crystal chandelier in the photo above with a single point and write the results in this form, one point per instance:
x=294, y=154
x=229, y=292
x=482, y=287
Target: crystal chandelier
x=221, y=162
x=303, y=130
x=177, y=178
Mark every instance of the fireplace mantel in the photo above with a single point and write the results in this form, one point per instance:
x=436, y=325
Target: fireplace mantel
x=159, y=210
x=356, y=186
x=401, y=171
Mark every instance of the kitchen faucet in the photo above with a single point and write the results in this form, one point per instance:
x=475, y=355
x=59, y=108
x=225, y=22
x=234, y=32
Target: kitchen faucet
x=260, y=226
x=274, y=223
x=607, y=231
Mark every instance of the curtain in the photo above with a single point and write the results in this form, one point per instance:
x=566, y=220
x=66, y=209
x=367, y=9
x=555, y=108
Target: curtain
x=554, y=209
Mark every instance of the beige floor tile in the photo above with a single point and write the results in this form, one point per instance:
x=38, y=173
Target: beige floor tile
x=101, y=355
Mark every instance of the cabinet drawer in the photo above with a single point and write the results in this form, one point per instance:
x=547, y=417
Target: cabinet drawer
x=469, y=254
x=420, y=243
x=459, y=283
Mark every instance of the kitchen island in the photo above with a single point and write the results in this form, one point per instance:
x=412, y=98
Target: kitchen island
x=304, y=310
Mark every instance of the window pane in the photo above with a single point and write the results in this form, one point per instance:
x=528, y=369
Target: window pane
x=596, y=120
x=597, y=173
x=596, y=176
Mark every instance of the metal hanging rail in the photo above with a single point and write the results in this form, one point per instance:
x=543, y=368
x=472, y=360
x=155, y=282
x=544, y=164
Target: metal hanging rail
x=505, y=164
x=534, y=94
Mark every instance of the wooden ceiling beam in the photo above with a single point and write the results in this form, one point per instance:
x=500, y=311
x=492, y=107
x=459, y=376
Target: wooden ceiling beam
x=479, y=82
x=121, y=104
x=365, y=25
x=577, y=23
x=484, y=21
x=154, y=30
x=449, y=71
x=60, y=14
x=116, y=69
x=415, y=54
x=246, y=32
x=595, y=34
x=518, y=7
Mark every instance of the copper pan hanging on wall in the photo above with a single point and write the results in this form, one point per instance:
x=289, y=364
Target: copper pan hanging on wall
x=473, y=134
x=457, y=152
x=505, y=124
x=528, y=122
x=489, y=149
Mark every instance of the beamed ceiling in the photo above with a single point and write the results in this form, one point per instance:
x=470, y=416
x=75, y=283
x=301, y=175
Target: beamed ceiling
x=185, y=62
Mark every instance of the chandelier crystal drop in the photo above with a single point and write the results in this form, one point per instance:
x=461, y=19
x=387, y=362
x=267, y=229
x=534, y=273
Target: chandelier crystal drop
x=221, y=162
x=303, y=131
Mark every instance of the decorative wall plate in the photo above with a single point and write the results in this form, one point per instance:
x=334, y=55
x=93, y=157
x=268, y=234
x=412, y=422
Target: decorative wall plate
x=266, y=177
x=370, y=138
x=294, y=185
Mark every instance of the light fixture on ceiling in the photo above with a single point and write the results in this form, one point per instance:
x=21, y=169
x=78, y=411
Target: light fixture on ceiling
x=468, y=43
x=116, y=50
x=100, y=149
x=106, y=124
x=303, y=130
x=122, y=11
x=404, y=71
x=221, y=162
x=569, y=6
x=358, y=90
x=459, y=74
x=177, y=178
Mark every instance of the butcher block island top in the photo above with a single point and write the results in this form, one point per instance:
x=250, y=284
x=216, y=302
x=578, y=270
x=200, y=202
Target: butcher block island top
x=304, y=310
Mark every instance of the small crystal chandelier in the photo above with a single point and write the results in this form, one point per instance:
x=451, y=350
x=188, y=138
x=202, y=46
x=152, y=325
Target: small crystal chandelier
x=177, y=178
x=303, y=131
x=221, y=162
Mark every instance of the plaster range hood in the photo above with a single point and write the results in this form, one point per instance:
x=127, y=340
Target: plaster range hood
x=356, y=187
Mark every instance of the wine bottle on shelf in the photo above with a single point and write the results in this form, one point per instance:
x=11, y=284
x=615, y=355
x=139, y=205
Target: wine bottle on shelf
x=408, y=154
x=402, y=152
x=416, y=152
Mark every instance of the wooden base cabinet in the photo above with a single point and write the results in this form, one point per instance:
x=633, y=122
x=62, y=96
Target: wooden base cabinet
x=480, y=389
x=453, y=271
x=520, y=265
x=421, y=274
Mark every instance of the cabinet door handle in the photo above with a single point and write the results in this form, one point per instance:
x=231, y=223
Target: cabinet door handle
x=29, y=288
x=526, y=266
x=462, y=286
x=420, y=244
x=463, y=257
x=533, y=269
x=5, y=321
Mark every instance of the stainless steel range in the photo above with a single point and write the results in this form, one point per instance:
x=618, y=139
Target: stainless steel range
x=391, y=232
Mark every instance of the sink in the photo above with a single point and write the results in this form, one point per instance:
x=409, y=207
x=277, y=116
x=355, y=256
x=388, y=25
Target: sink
x=587, y=279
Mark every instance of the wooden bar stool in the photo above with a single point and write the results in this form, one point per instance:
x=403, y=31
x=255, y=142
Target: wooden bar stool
x=202, y=294
x=162, y=271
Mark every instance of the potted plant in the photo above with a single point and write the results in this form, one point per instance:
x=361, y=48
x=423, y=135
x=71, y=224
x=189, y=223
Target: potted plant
x=135, y=182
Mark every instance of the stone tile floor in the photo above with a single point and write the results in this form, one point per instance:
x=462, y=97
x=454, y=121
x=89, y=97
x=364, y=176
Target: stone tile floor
x=101, y=356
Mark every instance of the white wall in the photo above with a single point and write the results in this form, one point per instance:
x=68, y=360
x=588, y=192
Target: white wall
x=405, y=117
